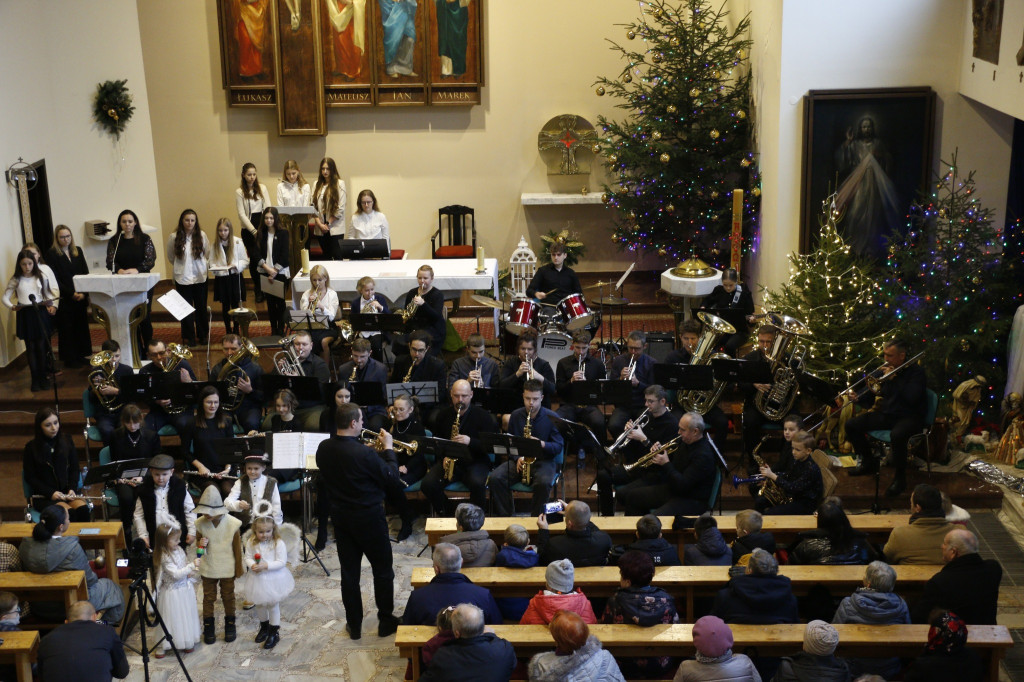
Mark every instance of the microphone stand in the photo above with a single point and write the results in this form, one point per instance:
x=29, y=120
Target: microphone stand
x=51, y=361
x=209, y=328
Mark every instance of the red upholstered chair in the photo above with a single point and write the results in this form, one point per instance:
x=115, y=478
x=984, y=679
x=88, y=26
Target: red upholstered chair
x=456, y=233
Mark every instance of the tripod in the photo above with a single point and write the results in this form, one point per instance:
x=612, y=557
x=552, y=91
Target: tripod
x=141, y=597
x=307, y=547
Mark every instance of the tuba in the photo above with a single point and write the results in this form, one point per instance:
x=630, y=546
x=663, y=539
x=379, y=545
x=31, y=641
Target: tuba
x=714, y=328
x=178, y=353
x=103, y=376
x=527, y=474
x=787, y=362
x=287, y=359
x=232, y=373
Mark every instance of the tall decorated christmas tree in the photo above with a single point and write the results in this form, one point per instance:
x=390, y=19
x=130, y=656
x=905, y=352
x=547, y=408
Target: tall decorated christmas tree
x=948, y=289
x=685, y=143
x=836, y=294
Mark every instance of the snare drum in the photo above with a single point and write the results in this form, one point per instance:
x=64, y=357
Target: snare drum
x=575, y=312
x=554, y=344
x=523, y=315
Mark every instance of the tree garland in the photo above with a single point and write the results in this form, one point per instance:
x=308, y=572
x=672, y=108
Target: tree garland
x=112, y=107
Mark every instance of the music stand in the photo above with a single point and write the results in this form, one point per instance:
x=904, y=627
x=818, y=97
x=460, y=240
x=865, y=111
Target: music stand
x=292, y=452
x=742, y=371
x=305, y=319
x=684, y=377
x=107, y=473
x=512, y=447
x=148, y=386
x=242, y=446
x=497, y=400
x=377, y=322
x=186, y=393
x=601, y=392
x=304, y=388
x=368, y=393
x=576, y=432
x=441, y=448
x=426, y=391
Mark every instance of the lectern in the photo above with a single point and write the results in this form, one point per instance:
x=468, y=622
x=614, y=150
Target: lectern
x=117, y=295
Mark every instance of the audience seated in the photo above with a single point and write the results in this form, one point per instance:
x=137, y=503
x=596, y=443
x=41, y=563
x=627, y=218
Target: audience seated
x=817, y=661
x=582, y=543
x=833, y=542
x=472, y=655
x=648, y=539
x=954, y=514
x=578, y=656
x=516, y=552
x=920, y=542
x=637, y=602
x=447, y=588
x=946, y=657
x=749, y=535
x=875, y=604
x=10, y=618
x=444, y=634
x=715, y=660
x=82, y=649
x=477, y=547
x=710, y=548
x=760, y=596
x=967, y=585
x=558, y=595
x=10, y=560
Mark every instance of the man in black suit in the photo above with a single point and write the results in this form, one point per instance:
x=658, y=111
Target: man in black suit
x=902, y=409
x=161, y=412
x=308, y=412
x=250, y=384
x=967, y=585
x=636, y=367
x=421, y=365
x=364, y=369
x=82, y=650
x=526, y=365
x=580, y=366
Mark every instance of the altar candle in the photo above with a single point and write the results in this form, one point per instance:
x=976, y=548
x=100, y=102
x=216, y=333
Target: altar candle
x=480, y=259
x=737, y=227
x=305, y=261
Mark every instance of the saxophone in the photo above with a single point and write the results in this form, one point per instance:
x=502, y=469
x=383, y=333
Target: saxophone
x=449, y=462
x=408, y=378
x=178, y=353
x=232, y=373
x=355, y=370
x=103, y=376
x=527, y=473
x=770, y=490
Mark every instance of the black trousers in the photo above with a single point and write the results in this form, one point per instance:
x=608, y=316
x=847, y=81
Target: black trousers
x=902, y=429
x=473, y=475
x=504, y=476
x=72, y=322
x=358, y=534
x=196, y=326
x=644, y=497
x=609, y=476
x=252, y=249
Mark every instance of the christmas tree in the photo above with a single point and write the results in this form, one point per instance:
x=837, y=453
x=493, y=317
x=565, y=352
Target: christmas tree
x=835, y=293
x=948, y=290
x=685, y=144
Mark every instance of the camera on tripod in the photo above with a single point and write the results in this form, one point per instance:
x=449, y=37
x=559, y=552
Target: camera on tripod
x=140, y=560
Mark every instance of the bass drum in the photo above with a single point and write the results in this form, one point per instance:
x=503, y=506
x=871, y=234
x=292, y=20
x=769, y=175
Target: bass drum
x=554, y=344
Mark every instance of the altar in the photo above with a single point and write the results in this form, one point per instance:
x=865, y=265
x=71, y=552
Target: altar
x=117, y=295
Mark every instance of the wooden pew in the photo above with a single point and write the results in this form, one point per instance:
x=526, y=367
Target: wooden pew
x=65, y=586
x=682, y=582
x=20, y=648
x=990, y=641
x=107, y=536
x=622, y=529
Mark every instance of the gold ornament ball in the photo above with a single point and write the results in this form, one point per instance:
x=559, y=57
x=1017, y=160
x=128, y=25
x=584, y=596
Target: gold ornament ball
x=662, y=252
x=714, y=134
x=741, y=114
x=694, y=92
x=716, y=74
x=714, y=194
x=655, y=136
x=613, y=158
x=965, y=345
x=745, y=163
x=716, y=252
x=975, y=280
x=631, y=34
x=600, y=91
x=632, y=215
x=634, y=228
x=665, y=158
x=616, y=237
x=596, y=148
x=657, y=57
x=942, y=213
x=627, y=78
x=671, y=108
x=741, y=54
x=670, y=208
x=656, y=14
x=674, y=42
x=756, y=191
x=605, y=198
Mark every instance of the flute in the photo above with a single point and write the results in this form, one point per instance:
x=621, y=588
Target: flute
x=211, y=475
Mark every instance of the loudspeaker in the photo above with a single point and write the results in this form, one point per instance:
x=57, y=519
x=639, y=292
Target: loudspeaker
x=660, y=344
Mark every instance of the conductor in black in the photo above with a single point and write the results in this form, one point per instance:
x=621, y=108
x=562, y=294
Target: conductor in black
x=356, y=478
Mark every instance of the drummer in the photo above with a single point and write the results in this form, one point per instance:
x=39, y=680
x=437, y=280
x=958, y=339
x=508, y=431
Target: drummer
x=555, y=280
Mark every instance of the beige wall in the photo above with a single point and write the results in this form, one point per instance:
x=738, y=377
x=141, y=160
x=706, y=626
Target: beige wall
x=541, y=59
x=52, y=55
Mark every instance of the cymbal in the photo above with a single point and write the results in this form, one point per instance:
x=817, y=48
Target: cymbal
x=489, y=302
x=613, y=300
x=597, y=284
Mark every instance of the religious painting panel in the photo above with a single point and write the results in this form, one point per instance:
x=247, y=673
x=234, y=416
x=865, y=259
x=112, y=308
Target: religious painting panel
x=874, y=149
x=399, y=52
x=347, y=41
x=454, y=55
x=987, y=21
x=247, y=51
x=300, y=87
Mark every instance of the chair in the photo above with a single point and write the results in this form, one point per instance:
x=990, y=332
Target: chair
x=90, y=431
x=884, y=436
x=559, y=460
x=461, y=224
x=30, y=511
x=109, y=495
x=716, y=488
x=828, y=479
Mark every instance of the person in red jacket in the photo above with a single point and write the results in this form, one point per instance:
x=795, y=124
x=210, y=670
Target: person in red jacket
x=558, y=595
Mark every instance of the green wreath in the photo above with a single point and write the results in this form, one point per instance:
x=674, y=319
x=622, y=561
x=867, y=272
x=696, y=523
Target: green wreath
x=574, y=248
x=112, y=108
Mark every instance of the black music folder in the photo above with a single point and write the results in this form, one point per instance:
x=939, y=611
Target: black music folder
x=684, y=377
x=742, y=371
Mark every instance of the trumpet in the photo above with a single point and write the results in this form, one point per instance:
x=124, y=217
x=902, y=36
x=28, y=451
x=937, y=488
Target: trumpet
x=314, y=298
x=529, y=372
x=638, y=423
x=476, y=368
x=648, y=459
x=581, y=367
x=372, y=438
x=211, y=475
x=631, y=367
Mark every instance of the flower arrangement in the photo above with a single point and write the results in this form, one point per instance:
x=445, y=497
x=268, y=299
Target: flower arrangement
x=112, y=108
x=574, y=248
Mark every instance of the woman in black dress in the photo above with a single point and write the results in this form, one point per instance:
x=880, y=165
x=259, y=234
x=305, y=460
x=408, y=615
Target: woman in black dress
x=131, y=440
x=67, y=260
x=272, y=242
x=51, y=468
x=130, y=253
x=210, y=422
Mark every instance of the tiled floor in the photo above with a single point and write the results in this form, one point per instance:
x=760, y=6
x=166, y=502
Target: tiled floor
x=997, y=543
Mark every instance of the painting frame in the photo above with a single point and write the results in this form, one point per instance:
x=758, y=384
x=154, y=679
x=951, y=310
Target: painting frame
x=874, y=147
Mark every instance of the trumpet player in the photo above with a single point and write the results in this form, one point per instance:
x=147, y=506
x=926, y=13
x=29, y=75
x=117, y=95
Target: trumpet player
x=475, y=366
x=321, y=299
x=428, y=312
x=250, y=384
x=801, y=481
x=472, y=421
x=542, y=429
x=580, y=366
x=107, y=417
x=636, y=367
x=159, y=415
x=660, y=427
x=362, y=368
x=525, y=364
x=680, y=482
x=369, y=301
x=902, y=410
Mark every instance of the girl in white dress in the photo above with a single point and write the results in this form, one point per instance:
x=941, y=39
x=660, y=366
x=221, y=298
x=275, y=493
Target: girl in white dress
x=321, y=299
x=368, y=222
x=228, y=259
x=293, y=190
x=268, y=579
x=176, y=578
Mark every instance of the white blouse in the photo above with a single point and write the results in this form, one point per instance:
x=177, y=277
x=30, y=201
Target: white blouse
x=188, y=269
x=337, y=221
x=328, y=305
x=219, y=258
x=246, y=206
x=19, y=290
x=290, y=194
x=373, y=225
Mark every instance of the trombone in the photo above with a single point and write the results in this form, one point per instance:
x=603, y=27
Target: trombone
x=372, y=438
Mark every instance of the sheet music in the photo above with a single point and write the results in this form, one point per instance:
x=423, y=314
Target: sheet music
x=177, y=306
x=618, y=285
x=294, y=450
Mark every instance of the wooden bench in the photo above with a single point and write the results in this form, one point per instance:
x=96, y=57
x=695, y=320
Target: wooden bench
x=65, y=586
x=685, y=582
x=107, y=536
x=20, y=648
x=990, y=641
x=622, y=529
